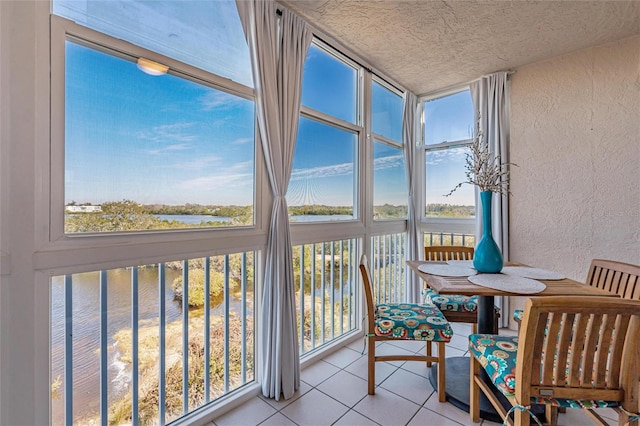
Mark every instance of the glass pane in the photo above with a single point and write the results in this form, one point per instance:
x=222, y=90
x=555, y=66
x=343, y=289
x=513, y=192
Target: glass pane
x=323, y=181
x=448, y=119
x=329, y=85
x=386, y=113
x=444, y=170
x=152, y=152
x=205, y=34
x=389, y=182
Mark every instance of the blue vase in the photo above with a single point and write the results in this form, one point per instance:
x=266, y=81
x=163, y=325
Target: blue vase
x=487, y=257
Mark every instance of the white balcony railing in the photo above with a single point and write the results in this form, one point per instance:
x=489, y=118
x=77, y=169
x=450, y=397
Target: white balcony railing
x=133, y=345
x=326, y=291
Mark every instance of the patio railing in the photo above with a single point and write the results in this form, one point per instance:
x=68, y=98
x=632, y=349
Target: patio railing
x=326, y=291
x=134, y=345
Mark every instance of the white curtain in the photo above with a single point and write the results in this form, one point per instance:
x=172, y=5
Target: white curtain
x=277, y=58
x=414, y=247
x=491, y=101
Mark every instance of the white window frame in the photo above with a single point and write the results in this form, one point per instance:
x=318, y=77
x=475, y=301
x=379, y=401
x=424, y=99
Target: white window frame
x=430, y=224
x=305, y=232
x=66, y=253
x=376, y=137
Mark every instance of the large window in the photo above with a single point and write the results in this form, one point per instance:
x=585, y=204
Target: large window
x=448, y=131
x=389, y=175
x=323, y=182
x=148, y=146
x=152, y=128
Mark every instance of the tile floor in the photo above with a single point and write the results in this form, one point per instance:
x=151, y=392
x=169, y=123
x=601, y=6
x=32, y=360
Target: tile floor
x=333, y=391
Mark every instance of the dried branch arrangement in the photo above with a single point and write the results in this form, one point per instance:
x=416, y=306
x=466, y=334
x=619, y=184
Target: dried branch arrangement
x=483, y=170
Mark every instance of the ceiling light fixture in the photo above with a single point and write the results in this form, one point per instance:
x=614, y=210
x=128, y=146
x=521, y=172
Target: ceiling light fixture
x=151, y=67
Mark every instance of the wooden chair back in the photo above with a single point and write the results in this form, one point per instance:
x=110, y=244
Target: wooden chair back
x=582, y=348
x=615, y=277
x=444, y=253
x=368, y=292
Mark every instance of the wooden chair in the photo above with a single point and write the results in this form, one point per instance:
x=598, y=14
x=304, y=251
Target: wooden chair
x=614, y=277
x=456, y=308
x=577, y=352
x=403, y=321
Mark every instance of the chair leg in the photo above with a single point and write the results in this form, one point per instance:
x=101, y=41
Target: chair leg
x=551, y=414
x=474, y=391
x=429, y=351
x=442, y=397
x=521, y=418
x=371, y=364
x=474, y=328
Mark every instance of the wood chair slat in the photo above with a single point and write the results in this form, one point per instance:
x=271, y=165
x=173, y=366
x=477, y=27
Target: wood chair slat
x=563, y=346
x=600, y=333
x=589, y=367
x=575, y=360
x=551, y=344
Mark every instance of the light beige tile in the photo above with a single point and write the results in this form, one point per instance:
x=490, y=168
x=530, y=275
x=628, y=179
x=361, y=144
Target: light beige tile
x=278, y=420
x=252, y=412
x=459, y=342
x=461, y=328
x=414, y=346
x=408, y=385
x=345, y=387
x=318, y=372
x=393, y=349
x=278, y=405
x=342, y=357
x=357, y=345
x=428, y=417
x=387, y=408
x=575, y=417
x=314, y=408
x=359, y=368
x=354, y=419
x=447, y=410
x=421, y=367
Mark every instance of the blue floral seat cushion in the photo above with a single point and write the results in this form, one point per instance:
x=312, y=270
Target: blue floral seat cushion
x=518, y=314
x=412, y=322
x=450, y=302
x=497, y=355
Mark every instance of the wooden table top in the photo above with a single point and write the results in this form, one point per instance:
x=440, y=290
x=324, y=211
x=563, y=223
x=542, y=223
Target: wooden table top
x=460, y=285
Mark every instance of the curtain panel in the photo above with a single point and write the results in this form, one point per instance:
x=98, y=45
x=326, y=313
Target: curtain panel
x=278, y=51
x=414, y=246
x=490, y=98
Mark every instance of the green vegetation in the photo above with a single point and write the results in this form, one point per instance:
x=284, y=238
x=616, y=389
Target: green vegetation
x=450, y=210
x=120, y=410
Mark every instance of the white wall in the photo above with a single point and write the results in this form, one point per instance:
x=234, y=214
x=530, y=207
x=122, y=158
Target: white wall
x=575, y=133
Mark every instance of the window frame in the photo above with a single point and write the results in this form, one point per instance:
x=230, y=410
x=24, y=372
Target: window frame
x=57, y=245
x=357, y=129
x=376, y=137
x=439, y=224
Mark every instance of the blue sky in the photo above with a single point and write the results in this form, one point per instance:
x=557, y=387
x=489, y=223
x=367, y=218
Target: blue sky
x=168, y=140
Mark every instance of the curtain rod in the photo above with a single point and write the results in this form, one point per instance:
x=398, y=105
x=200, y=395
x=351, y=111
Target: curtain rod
x=369, y=69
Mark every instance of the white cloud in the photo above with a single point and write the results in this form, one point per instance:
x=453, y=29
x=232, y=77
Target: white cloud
x=176, y=132
x=224, y=181
x=324, y=171
x=388, y=162
x=218, y=100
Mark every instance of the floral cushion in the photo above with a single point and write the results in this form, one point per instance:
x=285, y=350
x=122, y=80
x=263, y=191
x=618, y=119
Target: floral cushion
x=497, y=355
x=518, y=314
x=450, y=302
x=412, y=322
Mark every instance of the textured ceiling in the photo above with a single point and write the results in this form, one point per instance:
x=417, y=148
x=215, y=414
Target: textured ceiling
x=429, y=45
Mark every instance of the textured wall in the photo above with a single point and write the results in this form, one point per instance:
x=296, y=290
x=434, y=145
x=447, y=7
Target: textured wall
x=575, y=133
